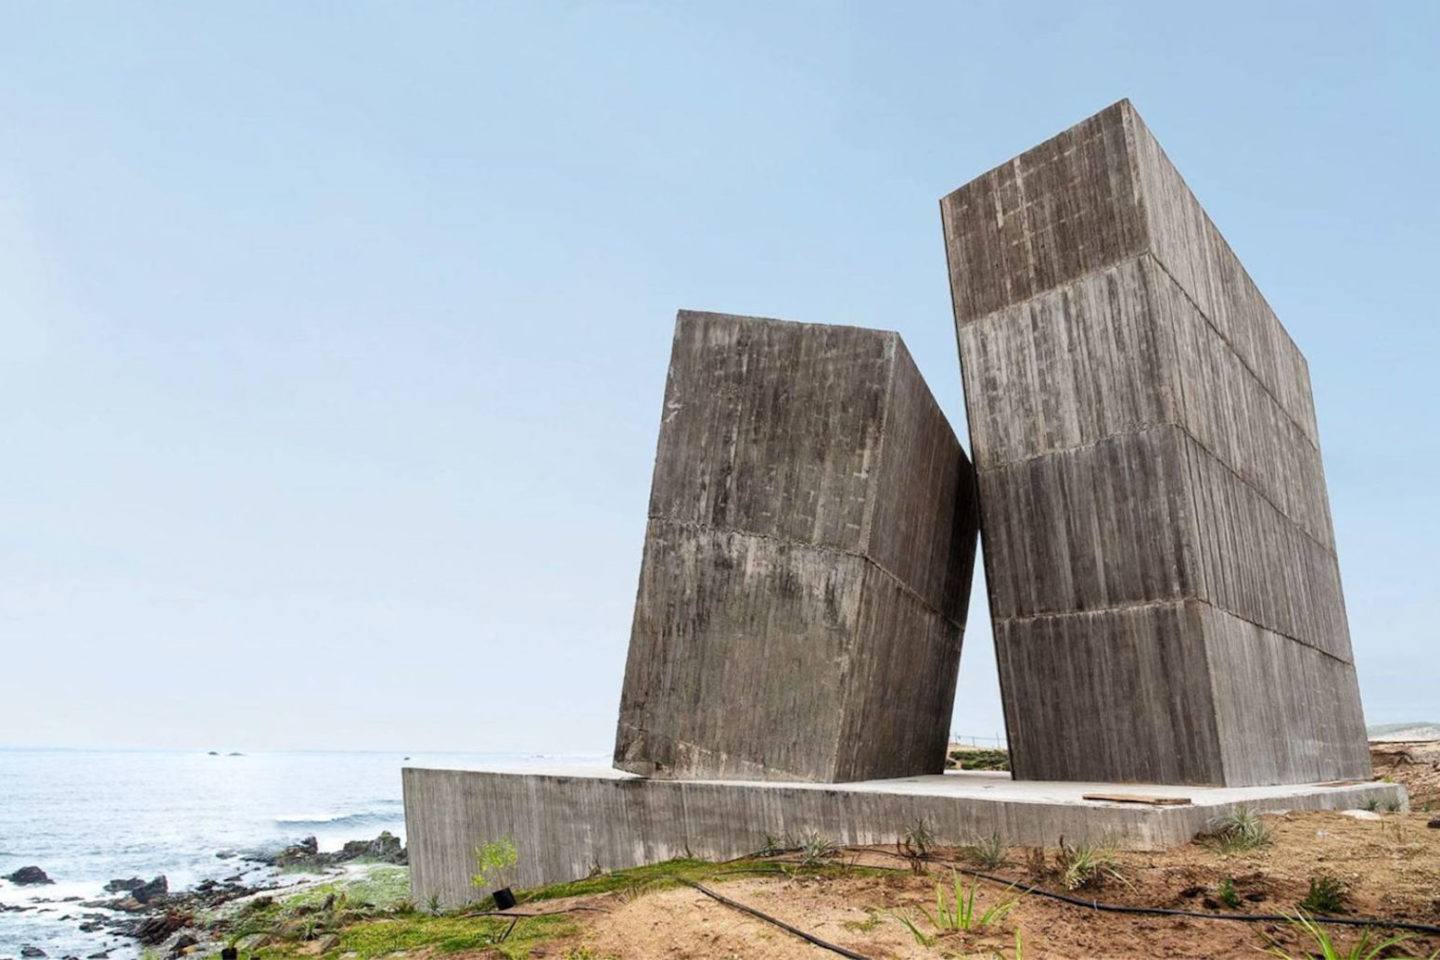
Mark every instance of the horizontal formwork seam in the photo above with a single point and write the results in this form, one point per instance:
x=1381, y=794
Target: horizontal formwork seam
x=819, y=547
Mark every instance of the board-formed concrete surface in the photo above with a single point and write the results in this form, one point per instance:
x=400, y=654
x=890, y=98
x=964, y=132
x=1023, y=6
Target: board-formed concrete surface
x=1161, y=564
x=568, y=822
x=807, y=562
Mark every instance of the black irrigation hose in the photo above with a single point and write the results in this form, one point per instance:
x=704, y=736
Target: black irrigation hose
x=810, y=937
x=1195, y=914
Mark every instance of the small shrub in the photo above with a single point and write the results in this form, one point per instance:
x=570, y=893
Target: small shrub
x=1326, y=896
x=1240, y=831
x=989, y=853
x=1393, y=806
x=1325, y=948
x=1373, y=804
x=814, y=849
x=1228, y=894
x=955, y=910
x=1085, y=865
x=433, y=903
x=1035, y=863
x=917, y=840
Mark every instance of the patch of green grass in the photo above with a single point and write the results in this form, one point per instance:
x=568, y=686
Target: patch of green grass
x=376, y=938
x=873, y=919
x=383, y=887
x=661, y=876
x=381, y=937
x=380, y=933
x=1228, y=895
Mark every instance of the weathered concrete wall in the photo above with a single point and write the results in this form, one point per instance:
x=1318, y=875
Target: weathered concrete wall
x=1157, y=534
x=807, y=561
x=565, y=826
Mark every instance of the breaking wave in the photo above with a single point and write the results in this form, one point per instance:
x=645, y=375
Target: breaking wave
x=389, y=812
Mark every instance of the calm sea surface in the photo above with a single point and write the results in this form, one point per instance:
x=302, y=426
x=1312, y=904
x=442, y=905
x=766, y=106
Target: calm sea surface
x=86, y=817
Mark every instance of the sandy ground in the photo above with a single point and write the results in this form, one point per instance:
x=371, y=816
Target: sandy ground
x=1390, y=866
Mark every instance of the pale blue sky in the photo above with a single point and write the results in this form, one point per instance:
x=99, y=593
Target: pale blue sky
x=332, y=336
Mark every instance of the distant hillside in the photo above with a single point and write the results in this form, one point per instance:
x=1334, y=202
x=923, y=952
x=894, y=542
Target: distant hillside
x=1405, y=731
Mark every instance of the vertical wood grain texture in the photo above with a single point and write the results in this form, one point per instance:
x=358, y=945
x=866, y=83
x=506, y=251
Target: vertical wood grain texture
x=1128, y=686
x=807, y=561
x=1144, y=433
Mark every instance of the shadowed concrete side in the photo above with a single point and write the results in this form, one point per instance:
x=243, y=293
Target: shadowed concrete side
x=565, y=825
x=807, y=561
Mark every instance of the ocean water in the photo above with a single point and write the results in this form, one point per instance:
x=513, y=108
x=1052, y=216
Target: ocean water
x=86, y=817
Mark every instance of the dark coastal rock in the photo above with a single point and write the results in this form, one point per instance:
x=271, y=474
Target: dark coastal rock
x=154, y=890
x=29, y=951
x=122, y=886
x=297, y=853
x=153, y=930
x=28, y=876
x=306, y=854
x=385, y=848
x=181, y=944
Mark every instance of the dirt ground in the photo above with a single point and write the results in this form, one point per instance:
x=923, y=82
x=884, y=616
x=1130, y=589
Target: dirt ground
x=1390, y=868
x=1415, y=764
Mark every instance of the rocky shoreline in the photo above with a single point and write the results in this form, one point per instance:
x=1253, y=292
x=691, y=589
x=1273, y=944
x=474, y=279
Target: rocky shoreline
x=175, y=923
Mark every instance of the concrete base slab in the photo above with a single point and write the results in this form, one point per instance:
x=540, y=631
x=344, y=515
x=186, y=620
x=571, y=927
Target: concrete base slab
x=569, y=821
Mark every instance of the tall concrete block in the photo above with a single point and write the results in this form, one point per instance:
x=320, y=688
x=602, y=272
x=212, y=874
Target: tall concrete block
x=807, y=562
x=1157, y=534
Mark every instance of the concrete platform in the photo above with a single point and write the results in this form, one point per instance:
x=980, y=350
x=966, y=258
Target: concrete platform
x=569, y=821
